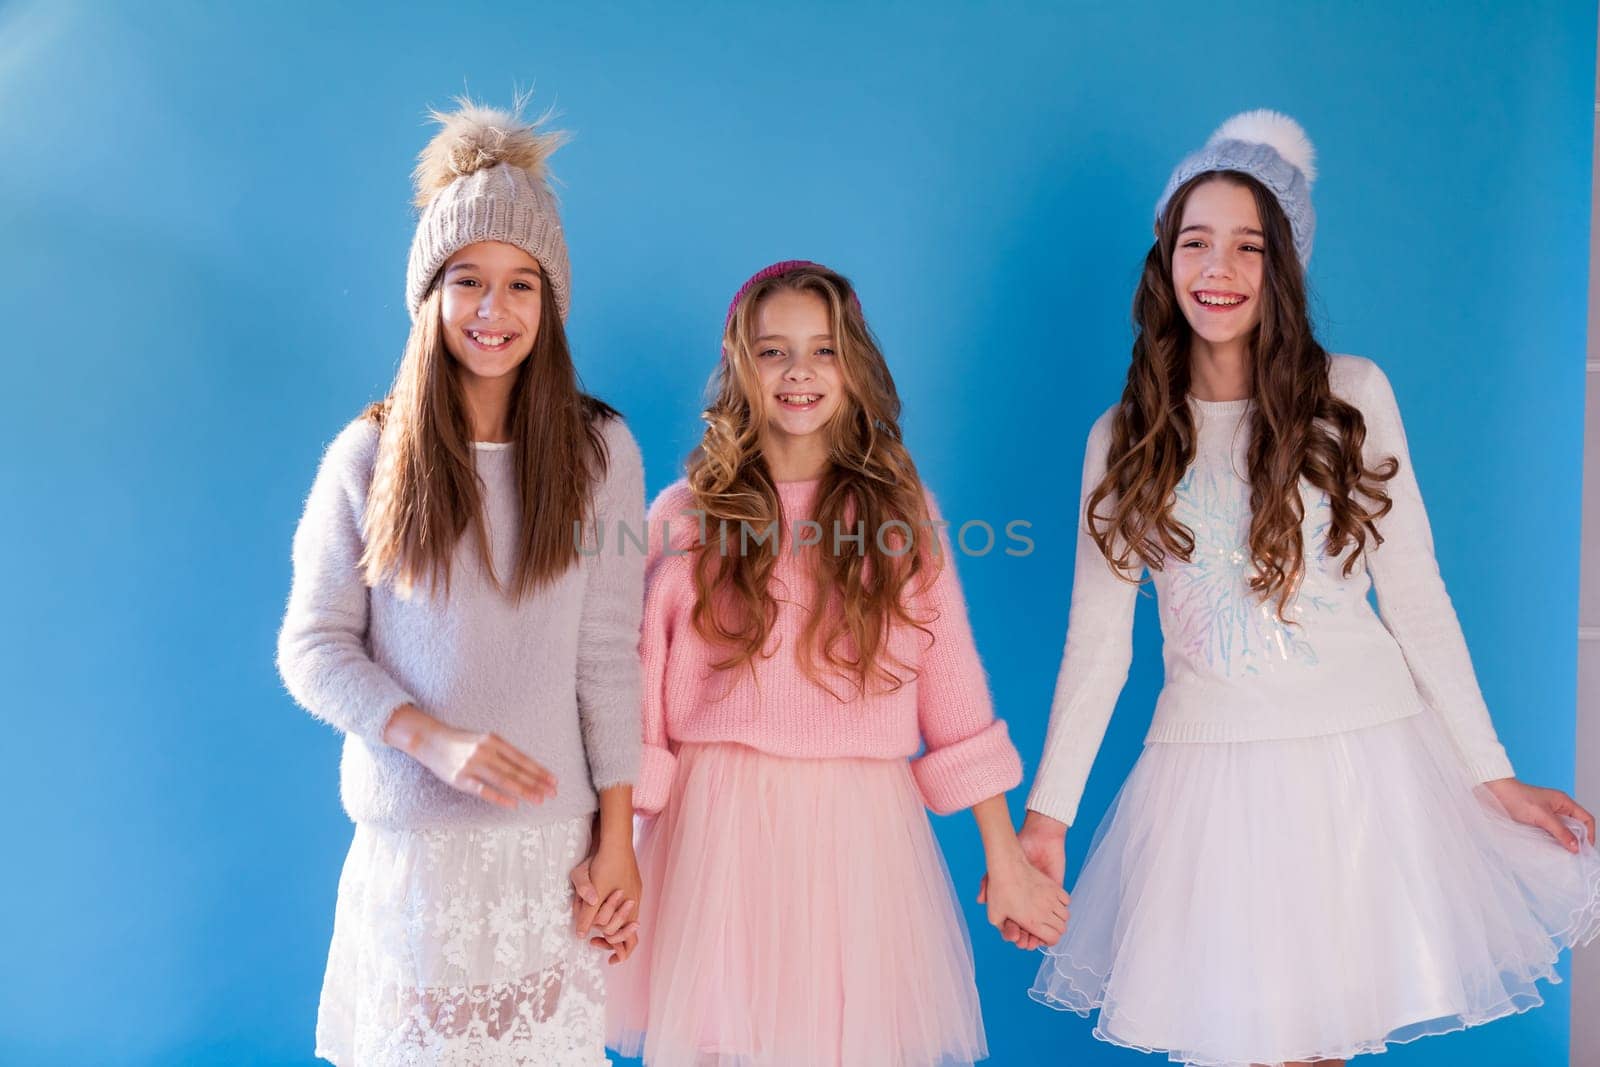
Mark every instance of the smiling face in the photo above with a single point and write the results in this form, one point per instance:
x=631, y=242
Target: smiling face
x=490, y=300
x=1219, y=262
x=796, y=359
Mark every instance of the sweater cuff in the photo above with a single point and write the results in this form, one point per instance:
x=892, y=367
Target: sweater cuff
x=1060, y=808
x=611, y=745
x=1488, y=766
x=618, y=768
x=375, y=710
x=959, y=775
x=657, y=768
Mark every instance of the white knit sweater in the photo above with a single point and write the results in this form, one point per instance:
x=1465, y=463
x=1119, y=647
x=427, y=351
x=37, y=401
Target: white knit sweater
x=1233, y=671
x=556, y=674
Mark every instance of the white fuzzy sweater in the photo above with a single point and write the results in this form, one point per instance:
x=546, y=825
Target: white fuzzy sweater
x=556, y=674
x=1234, y=672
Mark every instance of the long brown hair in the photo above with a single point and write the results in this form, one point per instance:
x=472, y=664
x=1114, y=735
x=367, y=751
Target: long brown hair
x=426, y=492
x=1300, y=429
x=870, y=479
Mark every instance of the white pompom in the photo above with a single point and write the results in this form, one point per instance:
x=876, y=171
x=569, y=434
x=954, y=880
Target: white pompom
x=1276, y=129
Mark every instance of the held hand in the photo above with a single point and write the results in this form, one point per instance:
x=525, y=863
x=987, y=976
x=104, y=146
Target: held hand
x=622, y=944
x=1044, y=843
x=586, y=901
x=1028, y=907
x=1544, y=808
x=484, y=765
x=607, y=892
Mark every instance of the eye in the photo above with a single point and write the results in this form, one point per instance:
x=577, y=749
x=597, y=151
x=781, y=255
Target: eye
x=1251, y=248
x=765, y=352
x=1193, y=242
x=522, y=285
x=466, y=281
x=826, y=352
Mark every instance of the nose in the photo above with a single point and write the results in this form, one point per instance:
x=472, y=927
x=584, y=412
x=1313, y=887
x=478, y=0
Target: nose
x=1219, y=263
x=489, y=303
x=799, y=370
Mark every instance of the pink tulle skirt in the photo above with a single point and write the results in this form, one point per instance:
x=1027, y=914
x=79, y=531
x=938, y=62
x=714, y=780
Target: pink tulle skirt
x=796, y=911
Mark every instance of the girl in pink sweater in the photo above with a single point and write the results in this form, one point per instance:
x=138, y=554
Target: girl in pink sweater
x=804, y=636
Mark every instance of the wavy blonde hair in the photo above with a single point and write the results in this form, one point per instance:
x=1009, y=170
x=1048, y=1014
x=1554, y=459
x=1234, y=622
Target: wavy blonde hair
x=857, y=596
x=426, y=493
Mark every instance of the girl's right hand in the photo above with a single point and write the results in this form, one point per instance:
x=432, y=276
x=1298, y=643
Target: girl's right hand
x=1044, y=842
x=1020, y=896
x=484, y=765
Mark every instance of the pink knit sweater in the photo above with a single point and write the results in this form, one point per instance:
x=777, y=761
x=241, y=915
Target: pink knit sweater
x=945, y=710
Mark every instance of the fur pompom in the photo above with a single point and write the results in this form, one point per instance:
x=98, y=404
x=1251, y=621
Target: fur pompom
x=1276, y=129
x=474, y=137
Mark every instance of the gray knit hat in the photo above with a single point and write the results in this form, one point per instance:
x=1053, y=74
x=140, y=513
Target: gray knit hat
x=1272, y=149
x=483, y=178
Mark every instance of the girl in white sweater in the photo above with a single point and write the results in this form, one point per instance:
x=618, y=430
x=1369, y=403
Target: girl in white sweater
x=451, y=616
x=1322, y=848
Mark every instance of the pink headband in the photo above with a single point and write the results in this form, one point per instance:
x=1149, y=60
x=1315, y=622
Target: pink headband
x=772, y=272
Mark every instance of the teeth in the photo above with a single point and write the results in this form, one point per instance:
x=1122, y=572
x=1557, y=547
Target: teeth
x=799, y=398
x=1221, y=301
x=489, y=338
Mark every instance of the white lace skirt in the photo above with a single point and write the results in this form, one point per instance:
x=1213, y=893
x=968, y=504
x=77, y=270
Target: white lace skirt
x=455, y=947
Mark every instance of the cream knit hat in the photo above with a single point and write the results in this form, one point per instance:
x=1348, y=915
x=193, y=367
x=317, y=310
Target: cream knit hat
x=483, y=178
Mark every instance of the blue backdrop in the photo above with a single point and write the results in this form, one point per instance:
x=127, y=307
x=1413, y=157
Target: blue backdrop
x=206, y=216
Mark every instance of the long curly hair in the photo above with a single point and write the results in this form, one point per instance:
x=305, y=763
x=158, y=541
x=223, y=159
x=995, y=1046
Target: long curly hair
x=857, y=596
x=426, y=493
x=1300, y=429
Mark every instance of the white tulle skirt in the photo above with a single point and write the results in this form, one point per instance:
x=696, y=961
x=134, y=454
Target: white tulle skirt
x=456, y=947
x=1314, y=898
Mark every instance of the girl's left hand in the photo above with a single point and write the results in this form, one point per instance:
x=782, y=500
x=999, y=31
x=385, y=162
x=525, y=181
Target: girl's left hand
x=1544, y=808
x=1016, y=892
x=608, y=890
x=1044, y=843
